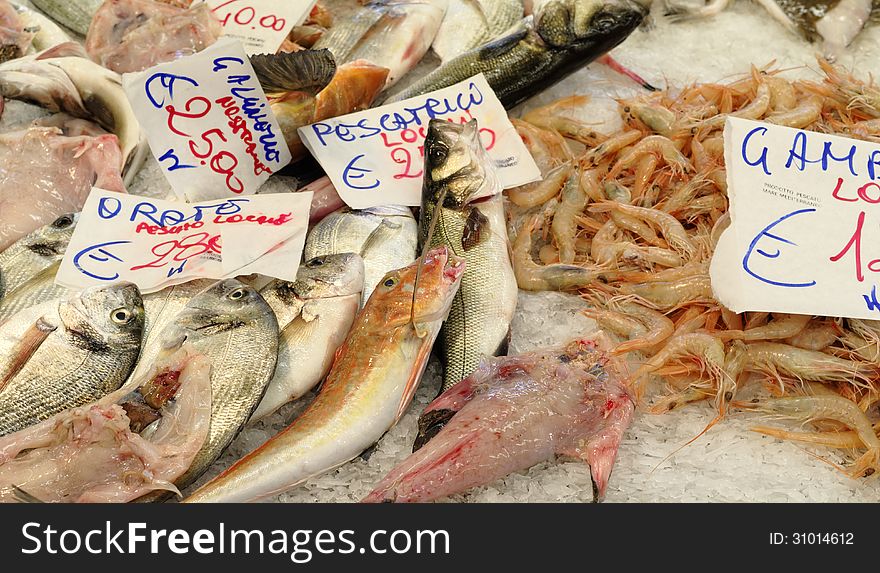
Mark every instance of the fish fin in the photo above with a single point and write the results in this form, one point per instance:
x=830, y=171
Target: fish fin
x=414, y=378
x=308, y=71
x=476, y=227
x=506, y=42
x=430, y=424
x=504, y=347
x=368, y=453
x=307, y=313
x=29, y=343
x=22, y=496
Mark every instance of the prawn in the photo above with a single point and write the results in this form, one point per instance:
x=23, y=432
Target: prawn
x=673, y=231
x=548, y=117
x=656, y=145
x=657, y=326
x=800, y=117
x=539, y=192
x=782, y=326
x=705, y=349
x=610, y=146
x=532, y=276
x=574, y=199
x=669, y=295
x=776, y=359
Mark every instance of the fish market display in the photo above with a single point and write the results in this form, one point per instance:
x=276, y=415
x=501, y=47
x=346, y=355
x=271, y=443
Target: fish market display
x=564, y=36
x=457, y=170
x=236, y=330
x=385, y=237
x=32, y=254
x=314, y=314
x=47, y=174
x=133, y=35
x=14, y=38
x=61, y=80
x=46, y=33
x=123, y=446
x=514, y=412
x=472, y=23
x=65, y=354
x=371, y=383
x=392, y=34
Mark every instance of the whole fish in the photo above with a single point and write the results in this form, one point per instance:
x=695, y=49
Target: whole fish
x=472, y=23
x=393, y=34
x=370, y=385
x=66, y=354
x=47, y=34
x=34, y=253
x=386, y=238
x=515, y=412
x=232, y=325
x=75, y=14
x=63, y=79
x=123, y=446
x=314, y=314
x=563, y=37
x=458, y=170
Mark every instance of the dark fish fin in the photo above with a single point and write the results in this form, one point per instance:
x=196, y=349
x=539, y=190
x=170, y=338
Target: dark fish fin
x=307, y=71
x=22, y=496
x=505, y=43
x=504, y=347
x=29, y=343
x=475, y=228
x=368, y=453
x=430, y=424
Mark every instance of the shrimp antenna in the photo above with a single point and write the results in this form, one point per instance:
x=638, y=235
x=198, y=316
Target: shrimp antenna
x=425, y=248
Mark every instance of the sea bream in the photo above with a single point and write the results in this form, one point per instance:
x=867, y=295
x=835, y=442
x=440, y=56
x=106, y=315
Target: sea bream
x=512, y=413
x=462, y=208
x=125, y=445
x=68, y=353
x=314, y=313
x=371, y=383
x=543, y=49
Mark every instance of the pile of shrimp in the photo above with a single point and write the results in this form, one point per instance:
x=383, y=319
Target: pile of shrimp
x=630, y=219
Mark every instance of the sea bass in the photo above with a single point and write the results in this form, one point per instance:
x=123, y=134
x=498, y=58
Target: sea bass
x=563, y=37
x=66, y=354
x=232, y=325
x=393, y=34
x=457, y=170
x=314, y=314
x=472, y=23
x=512, y=413
x=32, y=254
x=123, y=446
x=371, y=383
x=386, y=238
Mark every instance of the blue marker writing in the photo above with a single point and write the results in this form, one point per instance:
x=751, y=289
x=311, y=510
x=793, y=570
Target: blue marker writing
x=99, y=254
x=352, y=172
x=167, y=82
x=765, y=232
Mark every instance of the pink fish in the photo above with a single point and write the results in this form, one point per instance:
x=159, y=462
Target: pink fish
x=512, y=413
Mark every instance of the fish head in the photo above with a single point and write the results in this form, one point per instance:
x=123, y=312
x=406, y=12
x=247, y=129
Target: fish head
x=592, y=24
x=223, y=306
x=51, y=240
x=457, y=167
x=393, y=303
x=105, y=313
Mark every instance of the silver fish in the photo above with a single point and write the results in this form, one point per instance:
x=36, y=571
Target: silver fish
x=472, y=23
x=315, y=314
x=34, y=253
x=394, y=244
x=47, y=34
x=457, y=170
x=72, y=353
x=232, y=325
x=75, y=14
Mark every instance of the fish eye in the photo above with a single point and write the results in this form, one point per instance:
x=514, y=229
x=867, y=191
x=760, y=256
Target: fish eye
x=62, y=222
x=121, y=316
x=390, y=282
x=437, y=153
x=316, y=262
x=237, y=294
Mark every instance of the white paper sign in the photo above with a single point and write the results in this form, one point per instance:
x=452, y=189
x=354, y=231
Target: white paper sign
x=156, y=243
x=805, y=223
x=208, y=123
x=375, y=157
x=260, y=25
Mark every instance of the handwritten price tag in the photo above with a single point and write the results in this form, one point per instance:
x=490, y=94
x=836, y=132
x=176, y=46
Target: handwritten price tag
x=261, y=25
x=805, y=223
x=375, y=157
x=208, y=123
x=155, y=243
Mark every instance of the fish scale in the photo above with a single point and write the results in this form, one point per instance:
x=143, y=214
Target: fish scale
x=77, y=363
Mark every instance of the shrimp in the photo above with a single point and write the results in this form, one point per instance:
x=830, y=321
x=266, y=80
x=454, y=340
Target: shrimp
x=684, y=194
x=614, y=191
x=658, y=326
x=857, y=94
x=657, y=118
x=666, y=275
x=546, y=147
x=815, y=336
x=644, y=171
x=754, y=110
x=776, y=359
x=783, y=95
x=638, y=228
x=673, y=231
x=548, y=117
x=605, y=250
x=656, y=145
x=617, y=322
x=705, y=349
x=810, y=408
x=539, y=192
x=692, y=393
x=532, y=276
x=574, y=199
x=864, y=340
x=800, y=117
x=669, y=295
x=782, y=326
x=610, y=146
